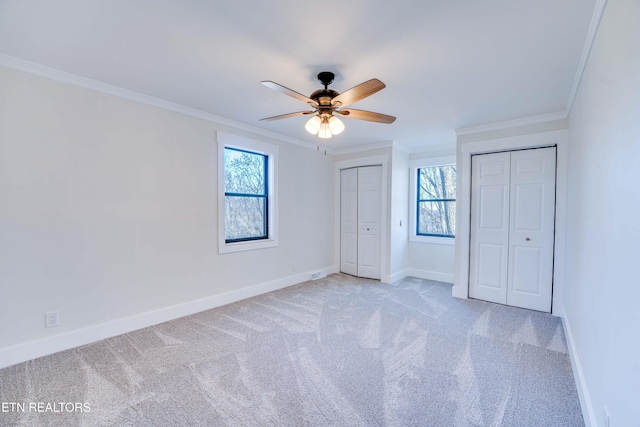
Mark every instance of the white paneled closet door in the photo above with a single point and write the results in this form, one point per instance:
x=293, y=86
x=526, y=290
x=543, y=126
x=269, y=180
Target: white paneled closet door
x=360, y=207
x=349, y=221
x=512, y=227
x=490, y=176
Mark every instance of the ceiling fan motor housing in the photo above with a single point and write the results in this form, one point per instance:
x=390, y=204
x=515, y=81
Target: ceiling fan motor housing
x=326, y=78
x=324, y=96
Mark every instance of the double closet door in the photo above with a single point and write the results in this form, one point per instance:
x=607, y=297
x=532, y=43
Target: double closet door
x=512, y=227
x=360, y=217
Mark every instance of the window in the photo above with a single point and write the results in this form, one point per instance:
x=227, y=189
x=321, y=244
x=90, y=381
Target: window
x=433, y=217
x=246, y=194
x=436, y=203
x=246, y=206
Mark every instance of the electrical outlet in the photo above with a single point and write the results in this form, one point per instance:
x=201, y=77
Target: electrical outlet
x=51, y=319
x=607, y=421
x=318, y=275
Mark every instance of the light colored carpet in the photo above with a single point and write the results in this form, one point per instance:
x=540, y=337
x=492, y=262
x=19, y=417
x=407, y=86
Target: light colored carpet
x=340, y=351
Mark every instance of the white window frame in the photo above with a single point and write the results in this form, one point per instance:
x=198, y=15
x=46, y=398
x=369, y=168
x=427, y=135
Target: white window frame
x=413, y=189
x=271, y=151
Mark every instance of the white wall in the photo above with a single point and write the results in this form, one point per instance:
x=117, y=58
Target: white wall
x=399, y=223
x=513, y=128
x=602, y=292
x=108, y=211
x=434, y=261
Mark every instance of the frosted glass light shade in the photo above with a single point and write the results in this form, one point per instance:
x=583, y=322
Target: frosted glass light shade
x=313, y=125
x=325, y=130
x=324, y=127
x=336, y=125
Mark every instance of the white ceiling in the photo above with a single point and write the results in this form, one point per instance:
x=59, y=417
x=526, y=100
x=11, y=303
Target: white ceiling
x=447, y=64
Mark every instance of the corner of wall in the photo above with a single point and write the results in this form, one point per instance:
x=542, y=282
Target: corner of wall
x=430, y=275
x=578, y=375
x=459, y=292
x=394, y=277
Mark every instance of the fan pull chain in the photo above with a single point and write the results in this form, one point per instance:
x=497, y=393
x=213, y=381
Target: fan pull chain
x=324, y=142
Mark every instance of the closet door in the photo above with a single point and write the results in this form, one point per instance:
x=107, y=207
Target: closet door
x=360, y=218
x=512, y=228
x=531, y=231
x=489, y=249
x=369, y=200
x=349, y=221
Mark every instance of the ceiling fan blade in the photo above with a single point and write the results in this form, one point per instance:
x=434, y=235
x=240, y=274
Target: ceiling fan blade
x=290, y=92
x=359, y=92
x=286, y=116
x=367, y=115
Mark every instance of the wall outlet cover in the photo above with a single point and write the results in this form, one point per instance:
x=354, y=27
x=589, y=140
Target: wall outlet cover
x=318, y=275
x=51, y=319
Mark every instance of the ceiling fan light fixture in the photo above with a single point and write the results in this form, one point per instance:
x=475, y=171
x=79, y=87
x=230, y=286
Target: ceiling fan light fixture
x=313, y=125
x=324, y=127
x=336, y=125
x=325, y=102
x=325, y=130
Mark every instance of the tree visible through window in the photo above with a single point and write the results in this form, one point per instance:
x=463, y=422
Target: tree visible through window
x=245, y=195
x=436, y=204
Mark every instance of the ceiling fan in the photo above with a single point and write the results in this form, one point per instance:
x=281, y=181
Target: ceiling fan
x=326, y=103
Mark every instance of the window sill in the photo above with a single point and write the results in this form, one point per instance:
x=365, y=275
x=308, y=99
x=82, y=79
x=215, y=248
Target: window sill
x=224, y=248
x=433, y=240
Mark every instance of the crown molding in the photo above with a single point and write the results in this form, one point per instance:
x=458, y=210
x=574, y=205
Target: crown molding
x=360, y=148
x=436, y=148
x=586, y=50
x=401, y=147
x=98, y=86
x=525, y=121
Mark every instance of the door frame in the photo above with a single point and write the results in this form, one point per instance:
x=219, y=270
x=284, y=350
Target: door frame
x=559, y=138
x=382, y=160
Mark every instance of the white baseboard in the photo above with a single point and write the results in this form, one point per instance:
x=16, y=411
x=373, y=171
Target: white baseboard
x=459, y=292
x=395, y=276
x=430, y=275
x=334, y=269
x=583, y=392
x=42, y=347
